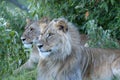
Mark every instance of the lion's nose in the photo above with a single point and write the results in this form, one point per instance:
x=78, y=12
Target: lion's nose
x=40, y=46
x=23, y=39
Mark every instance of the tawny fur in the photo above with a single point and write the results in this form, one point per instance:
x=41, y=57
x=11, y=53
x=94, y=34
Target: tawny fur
x=72, y=61
x=83, y=39
x=30, y=35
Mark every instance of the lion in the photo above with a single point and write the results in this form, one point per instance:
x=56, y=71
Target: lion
x=29, y=36
x=63, y=58
x=83, y=39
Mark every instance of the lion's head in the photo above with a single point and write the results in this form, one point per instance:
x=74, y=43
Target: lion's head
x=32, y=31
x=56, y=41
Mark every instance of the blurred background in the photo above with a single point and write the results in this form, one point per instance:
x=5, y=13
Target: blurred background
x=99, y=19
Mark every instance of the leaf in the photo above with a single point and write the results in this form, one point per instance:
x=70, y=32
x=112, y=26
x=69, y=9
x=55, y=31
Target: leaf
x=112, y=1
x=106, y=6
x=12, y=33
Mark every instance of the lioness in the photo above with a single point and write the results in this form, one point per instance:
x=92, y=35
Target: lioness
x=31, y=33
x=63, y=58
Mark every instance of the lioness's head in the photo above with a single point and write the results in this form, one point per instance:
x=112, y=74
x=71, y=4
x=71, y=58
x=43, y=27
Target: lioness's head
x=55, y=40
x=32, y=31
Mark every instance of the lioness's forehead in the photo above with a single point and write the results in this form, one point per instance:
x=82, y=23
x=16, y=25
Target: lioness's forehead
x=27, y=26
x=35, y=24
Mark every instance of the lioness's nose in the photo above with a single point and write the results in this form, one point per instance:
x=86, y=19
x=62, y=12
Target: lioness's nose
x=23, y=38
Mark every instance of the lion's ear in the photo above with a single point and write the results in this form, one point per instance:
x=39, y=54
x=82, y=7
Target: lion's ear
x=28, y=21
x=62, y=25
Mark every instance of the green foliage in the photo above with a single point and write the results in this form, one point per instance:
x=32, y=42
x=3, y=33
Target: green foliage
x=105, y=13
x=99, y=37
x=12, y=53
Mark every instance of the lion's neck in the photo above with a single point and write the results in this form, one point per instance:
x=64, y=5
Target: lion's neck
x=79, y=59
x=70, y=62
x=86, y=60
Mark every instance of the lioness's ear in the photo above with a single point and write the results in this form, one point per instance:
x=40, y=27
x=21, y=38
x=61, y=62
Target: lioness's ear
x=45, y=20
x=28, y=21
x=62, y=25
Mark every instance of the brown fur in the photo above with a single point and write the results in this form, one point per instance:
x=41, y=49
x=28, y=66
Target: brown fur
x=63, y=58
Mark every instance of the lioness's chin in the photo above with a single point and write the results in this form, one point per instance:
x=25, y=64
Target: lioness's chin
x=27, y=45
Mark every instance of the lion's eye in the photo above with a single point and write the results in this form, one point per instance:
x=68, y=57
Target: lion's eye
x=49, y=35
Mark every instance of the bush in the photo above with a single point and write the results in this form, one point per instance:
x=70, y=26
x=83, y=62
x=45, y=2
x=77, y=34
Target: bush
x=99, y=37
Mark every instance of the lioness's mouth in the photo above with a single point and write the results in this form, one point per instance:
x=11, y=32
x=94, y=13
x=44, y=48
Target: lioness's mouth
x=27, y=43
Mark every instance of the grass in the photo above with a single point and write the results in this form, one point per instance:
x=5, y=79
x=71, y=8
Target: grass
x=27, y=75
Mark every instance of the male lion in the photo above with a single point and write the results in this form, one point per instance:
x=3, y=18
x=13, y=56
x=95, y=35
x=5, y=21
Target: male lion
x=31, y=33
x=63, y=58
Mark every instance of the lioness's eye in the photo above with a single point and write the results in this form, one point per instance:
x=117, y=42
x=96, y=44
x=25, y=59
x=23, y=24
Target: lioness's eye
x=31, y=29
